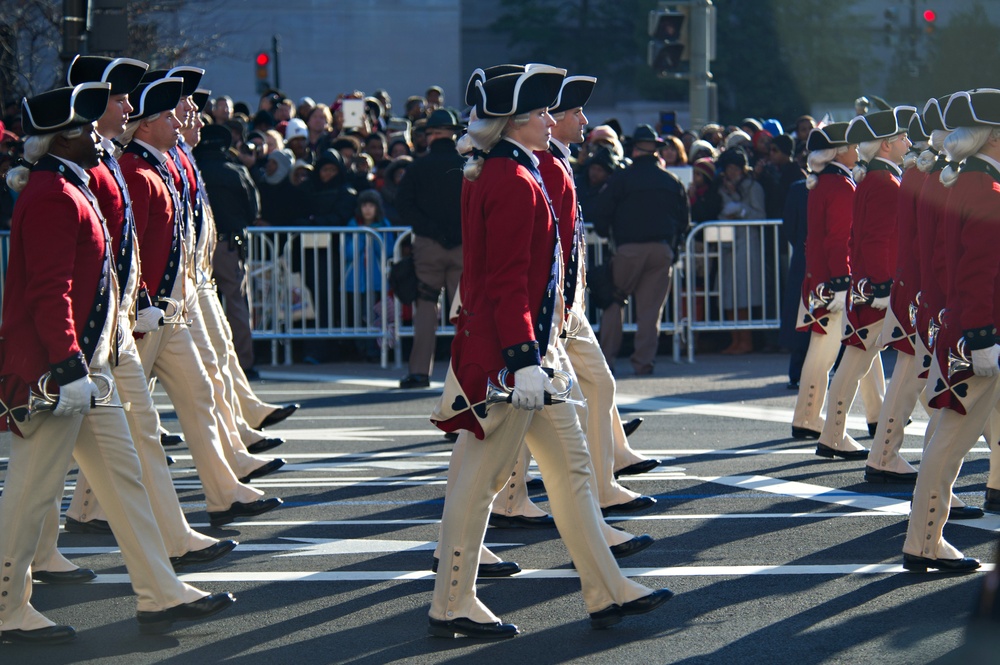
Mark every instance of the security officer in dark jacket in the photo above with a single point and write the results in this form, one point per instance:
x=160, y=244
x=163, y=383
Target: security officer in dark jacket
x=235, y=204
x=645, y=210
x=429, y=201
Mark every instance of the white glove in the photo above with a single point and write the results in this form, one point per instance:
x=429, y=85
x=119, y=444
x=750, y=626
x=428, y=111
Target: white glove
x=880, y=303
x=77, y=397
x=839, y=302
x=530, y=385
x=148, y=319
x=984, y=361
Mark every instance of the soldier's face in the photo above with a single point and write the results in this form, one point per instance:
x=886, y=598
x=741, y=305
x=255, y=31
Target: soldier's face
x=112, y=123
x=569, y=129
x=535, y=133
x=84, y=149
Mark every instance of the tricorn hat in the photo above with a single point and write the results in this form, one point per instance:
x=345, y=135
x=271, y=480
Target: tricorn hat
x=975, y=108
x=915, y=130
x=646, y=133
x=483, y=75
x=122, y=73
x=879, y=125
x=829, y=136
x=574, y=93
x=519, y=92
x=190, y=75
x=200, y=97
x=64, y=108
x=154, y=97
x=933, y=114
x=444, y=118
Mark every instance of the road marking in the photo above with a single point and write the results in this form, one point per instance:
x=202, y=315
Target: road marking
x=532, y=573
x=315, y=547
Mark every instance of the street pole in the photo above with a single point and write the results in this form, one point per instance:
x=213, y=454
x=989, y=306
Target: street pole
x=276, y=49
x=74, y=31
x=700, y=46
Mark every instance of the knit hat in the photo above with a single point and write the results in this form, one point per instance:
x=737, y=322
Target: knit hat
x=784, y=143
x=296, y=129
x=706, y=167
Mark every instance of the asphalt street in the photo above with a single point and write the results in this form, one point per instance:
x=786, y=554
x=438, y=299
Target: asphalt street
x=776, y=555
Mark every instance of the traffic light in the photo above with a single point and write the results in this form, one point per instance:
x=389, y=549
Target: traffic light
x=262, y=61
x=668, y=40
x=930, y=19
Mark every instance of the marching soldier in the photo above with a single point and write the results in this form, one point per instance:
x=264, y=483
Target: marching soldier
x=882, y=142
x=60, y=315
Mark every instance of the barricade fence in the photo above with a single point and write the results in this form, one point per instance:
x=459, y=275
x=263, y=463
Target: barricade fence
x=331, y=283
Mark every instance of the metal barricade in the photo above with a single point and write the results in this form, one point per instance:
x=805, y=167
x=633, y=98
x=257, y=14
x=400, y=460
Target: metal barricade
x=730, y=279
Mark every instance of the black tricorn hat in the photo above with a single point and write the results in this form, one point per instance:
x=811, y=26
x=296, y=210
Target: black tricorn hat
x=64, y=108
x=975, y=108
x=833, y=135
x=646, y=133
x=190, y=75
x=216, y=136
x=879, y=125
x=512, y=94
x=933, y=114
x=574, y=93
x=200, y=97
x=915, y=130
x=444, y=118
x=155, y=97
x=122, y=73
x=485, y=74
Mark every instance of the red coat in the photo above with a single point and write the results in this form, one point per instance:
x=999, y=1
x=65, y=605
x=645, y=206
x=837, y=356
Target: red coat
x=508, y=242
x=907, y=281
x=56, y=266
x=830, y=212
x=153, y=206
x=931, y=240
x=561, y=189
x=873, y=247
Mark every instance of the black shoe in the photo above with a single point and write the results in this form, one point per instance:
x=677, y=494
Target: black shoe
x=630, y=547
x=804, y=433
x=170, y=461
x=203, y=556
x=251, y=374
x=639, y=467
x=792, y=385
x=498, y=569
x=824, y=450
x=47, y=635
x=612, y=615
x=451, y=436
x=78, y=576
x=535, y=484
x=156, y=623
x=919, y=564
x=100, y=527
x=262, y=471
x=264, y=445
x=168, y=439
x=873, y=475
x=521, y=522
x=278, y=415
x=415, y=381
x=238, y=509
x=965, y=513
x=631, y=426
x=872, y=428
x=469, y=628
x=633, y=506
x=992, y=503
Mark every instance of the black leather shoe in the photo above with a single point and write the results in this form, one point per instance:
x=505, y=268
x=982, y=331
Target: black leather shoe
x=498, y=569
x=521, y=522
x=451, y=437
x=612, y=615
x=168, y=439
x=804, y=433
x=630, y=547
x=631, y=426
x=93, y=526
x=642, y=466
x=48, y=635
x=824, y=450
x=992, y=503
x=872, y=427
x=278, y=415
x=78, y=576
x=469, y=628
x=238, y=509
x=156, y=623
x=633, y=506
x=965, y=513
x=265, y=470
x=535, y=484
x=919, y=564
x=203, y=556
x=415, y=381
x=264, y=445
x=792, y=385
x=873, y=475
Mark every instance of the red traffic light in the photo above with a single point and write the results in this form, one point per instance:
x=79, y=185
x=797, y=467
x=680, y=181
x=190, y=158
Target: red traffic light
x=930, y=15
x=263, y=59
